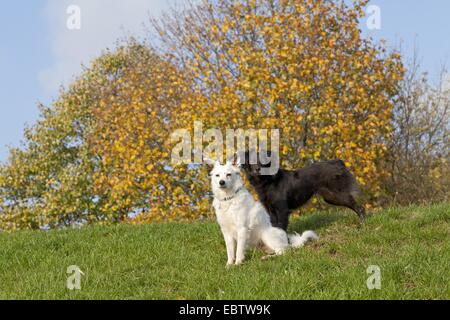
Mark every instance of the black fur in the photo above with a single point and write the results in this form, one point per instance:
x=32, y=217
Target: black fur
x=288, y=190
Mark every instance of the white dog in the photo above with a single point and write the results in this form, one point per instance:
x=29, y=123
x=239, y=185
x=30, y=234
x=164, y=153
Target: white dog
x=244, y=222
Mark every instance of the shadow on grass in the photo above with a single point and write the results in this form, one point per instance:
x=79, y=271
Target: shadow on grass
x=315, y=221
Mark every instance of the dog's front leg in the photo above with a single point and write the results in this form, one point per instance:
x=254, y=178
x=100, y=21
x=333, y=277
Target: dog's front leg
x=241, y=245
x=273, y=218
x=281, y=211
x=229, y=242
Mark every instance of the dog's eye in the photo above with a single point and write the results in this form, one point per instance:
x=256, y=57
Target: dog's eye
x=229, y=175
x=217, y=175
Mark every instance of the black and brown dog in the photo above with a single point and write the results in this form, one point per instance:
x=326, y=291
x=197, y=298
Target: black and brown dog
x=286, y=190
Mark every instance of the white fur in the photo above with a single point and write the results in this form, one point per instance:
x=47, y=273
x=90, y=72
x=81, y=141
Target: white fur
x=244, y=222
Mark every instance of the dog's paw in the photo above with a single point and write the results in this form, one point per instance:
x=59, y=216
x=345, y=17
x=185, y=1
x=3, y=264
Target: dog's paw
x=229, y=265
x=270, y=256
x=239, y=262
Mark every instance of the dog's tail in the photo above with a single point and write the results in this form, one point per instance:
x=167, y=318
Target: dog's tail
x=297, y=241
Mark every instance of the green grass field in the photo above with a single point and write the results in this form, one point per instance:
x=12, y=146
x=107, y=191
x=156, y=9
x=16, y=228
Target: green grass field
x=187, y=261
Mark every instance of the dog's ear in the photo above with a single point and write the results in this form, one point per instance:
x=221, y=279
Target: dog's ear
x=269, y=162
x=250, y=157
x=210, y=164
x=234, y=161
x=240, y=159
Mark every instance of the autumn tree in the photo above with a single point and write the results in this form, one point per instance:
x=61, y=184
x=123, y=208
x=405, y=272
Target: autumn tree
x=56, y=178
x=298, y=65
x=132, y=135
x=47, y=182
x=102, y=152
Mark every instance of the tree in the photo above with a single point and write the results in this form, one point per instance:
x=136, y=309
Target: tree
x=47, y=183
x=102, y=152
x=419, y=150
x=52, y=180
x=298, y=65
x=132, y=135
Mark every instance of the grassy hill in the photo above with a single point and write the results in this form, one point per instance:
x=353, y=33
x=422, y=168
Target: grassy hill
x=187, y=261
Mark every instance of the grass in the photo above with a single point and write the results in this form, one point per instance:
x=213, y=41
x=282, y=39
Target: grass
x=187, y=261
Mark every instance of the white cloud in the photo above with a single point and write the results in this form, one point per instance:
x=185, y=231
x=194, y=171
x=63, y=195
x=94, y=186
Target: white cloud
x=102, y=23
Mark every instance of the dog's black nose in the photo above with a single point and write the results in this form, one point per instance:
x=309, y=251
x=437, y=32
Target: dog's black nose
x=222, y=183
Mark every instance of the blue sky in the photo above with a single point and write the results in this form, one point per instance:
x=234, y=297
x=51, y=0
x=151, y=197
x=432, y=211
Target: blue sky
x=38, y=53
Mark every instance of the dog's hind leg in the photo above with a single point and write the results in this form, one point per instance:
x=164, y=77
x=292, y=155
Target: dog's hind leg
x=276, y=240
x=344, y=200
x=355, y=206
x=361, y=211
